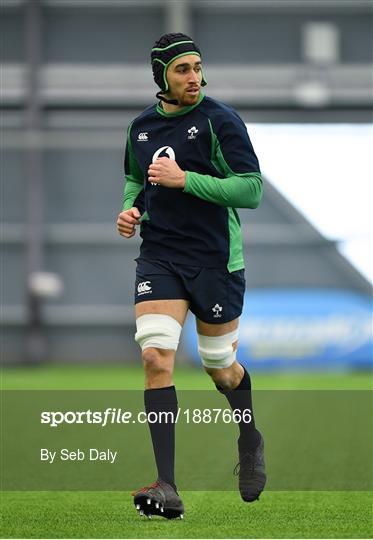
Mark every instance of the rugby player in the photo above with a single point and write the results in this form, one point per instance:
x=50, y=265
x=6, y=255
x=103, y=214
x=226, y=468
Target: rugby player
x=189, y=164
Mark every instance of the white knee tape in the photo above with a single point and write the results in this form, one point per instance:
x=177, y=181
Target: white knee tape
x=160, y=331
x=217, y=351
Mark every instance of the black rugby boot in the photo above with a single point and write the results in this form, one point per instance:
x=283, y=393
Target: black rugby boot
x=251, y=470
x=159, y=499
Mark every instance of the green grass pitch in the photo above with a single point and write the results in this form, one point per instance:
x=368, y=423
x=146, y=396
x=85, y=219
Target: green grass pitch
x=215, y=514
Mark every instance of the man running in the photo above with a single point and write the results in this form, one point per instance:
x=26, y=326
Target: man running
x=189, y=164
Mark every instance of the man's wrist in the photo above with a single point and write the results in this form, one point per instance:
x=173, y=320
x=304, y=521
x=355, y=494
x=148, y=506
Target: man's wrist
x=185, y=180
x=182, y=180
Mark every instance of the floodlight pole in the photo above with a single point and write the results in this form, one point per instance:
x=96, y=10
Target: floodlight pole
x=178, y=18
x=35, y=334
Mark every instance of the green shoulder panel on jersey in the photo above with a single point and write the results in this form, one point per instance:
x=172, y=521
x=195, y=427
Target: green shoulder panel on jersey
x=236, y=260
x=134, y=177
x=238, y=190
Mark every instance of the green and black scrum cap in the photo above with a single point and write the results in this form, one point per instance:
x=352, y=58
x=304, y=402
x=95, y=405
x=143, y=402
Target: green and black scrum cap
x=166, y=50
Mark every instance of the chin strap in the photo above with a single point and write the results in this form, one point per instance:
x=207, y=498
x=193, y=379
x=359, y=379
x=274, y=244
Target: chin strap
x=162, y=98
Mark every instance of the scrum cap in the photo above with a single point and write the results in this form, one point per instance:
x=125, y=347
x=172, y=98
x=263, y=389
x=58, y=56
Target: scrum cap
x=166, y=50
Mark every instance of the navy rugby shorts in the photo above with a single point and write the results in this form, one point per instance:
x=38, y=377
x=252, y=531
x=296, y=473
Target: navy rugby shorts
x=215, y=295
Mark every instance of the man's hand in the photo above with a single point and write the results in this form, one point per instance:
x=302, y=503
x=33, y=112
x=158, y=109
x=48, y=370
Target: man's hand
x=126, y=222
x=166, y=172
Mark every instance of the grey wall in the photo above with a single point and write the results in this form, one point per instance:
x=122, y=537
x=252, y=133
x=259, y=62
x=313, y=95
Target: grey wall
x=124, y=32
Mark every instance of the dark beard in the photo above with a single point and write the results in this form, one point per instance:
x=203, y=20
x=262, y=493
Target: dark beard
x=189, y=100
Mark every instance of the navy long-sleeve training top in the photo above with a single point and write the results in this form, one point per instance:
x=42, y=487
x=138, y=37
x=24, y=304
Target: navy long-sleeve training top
x=198, y=225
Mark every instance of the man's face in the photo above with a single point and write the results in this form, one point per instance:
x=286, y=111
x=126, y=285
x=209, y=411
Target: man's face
x=184, y=76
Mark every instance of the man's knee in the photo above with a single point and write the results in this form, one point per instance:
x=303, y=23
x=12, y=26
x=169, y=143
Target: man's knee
x=219, y=377
x=158, y=361
x=227, y=378
x=158, y=336
x=218, y=355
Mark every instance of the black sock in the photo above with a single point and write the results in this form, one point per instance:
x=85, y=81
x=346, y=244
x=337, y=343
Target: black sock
x=240, y=399
x=163, y=433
